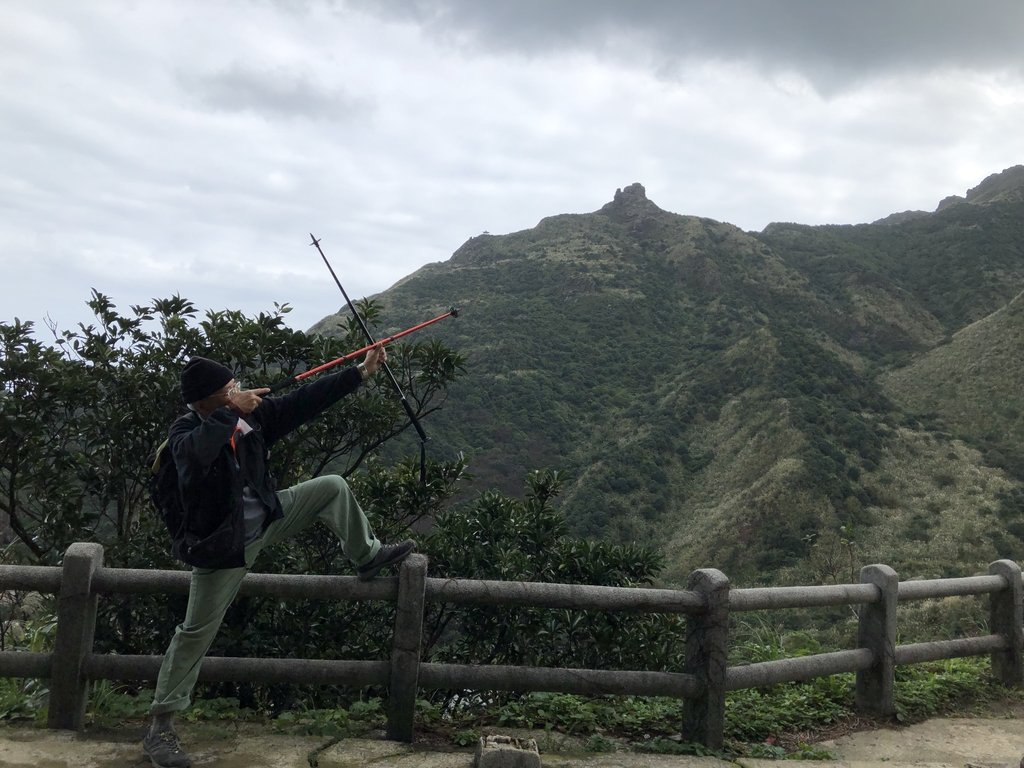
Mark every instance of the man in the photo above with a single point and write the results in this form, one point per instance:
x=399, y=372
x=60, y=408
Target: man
x=234, y=510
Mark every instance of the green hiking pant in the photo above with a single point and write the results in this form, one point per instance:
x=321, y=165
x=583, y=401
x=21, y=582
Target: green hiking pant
x=211, y=591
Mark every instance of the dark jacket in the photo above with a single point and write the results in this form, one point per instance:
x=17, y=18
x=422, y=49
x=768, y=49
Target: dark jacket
x=211, y=475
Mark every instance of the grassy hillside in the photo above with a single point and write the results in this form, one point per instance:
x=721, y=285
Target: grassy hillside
x=767, y=403
x=971, y=385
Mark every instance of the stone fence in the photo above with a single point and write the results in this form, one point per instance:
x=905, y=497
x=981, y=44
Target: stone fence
x=702, y=686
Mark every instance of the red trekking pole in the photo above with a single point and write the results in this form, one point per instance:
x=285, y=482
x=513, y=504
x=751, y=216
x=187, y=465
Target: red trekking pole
x=452, y=312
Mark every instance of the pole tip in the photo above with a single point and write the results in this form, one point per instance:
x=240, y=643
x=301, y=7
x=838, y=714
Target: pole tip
x=454, y=311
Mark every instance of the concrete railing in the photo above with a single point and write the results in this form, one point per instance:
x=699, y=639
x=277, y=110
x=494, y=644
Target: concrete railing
x=702, y=686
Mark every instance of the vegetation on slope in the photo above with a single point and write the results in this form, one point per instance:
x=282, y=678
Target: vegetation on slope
x=726, y=396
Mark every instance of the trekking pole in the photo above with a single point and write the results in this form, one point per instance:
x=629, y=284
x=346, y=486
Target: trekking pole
x=391, y=376
x=452, y=312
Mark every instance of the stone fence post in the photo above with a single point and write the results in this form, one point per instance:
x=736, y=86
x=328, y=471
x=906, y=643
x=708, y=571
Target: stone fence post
x=707, y=652
x=874, y=692
x=76, y=627
x=405, y=650
x=1006, y=618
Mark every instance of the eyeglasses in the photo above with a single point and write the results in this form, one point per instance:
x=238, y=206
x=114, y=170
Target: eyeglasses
x=233, y=389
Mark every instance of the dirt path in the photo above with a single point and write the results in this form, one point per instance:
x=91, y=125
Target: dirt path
x=980, y=742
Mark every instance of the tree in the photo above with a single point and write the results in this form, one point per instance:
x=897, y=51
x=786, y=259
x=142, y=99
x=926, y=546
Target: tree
x=40, y=443
x=78, y=418
x=497, y=537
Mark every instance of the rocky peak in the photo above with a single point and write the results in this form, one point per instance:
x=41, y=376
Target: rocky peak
x=634, y=192
x=629, y=203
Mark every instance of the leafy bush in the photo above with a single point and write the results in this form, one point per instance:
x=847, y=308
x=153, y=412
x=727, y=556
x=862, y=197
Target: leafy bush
x=87, y=410
x=496, y=537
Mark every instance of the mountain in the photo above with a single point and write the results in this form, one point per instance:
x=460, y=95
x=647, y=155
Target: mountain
x=970, y=384
x=762, y=402
x=1007, y=186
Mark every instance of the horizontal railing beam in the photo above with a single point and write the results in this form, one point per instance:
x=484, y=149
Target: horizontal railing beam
x=355, y=674
x=764, y=598
x=556, y=680
x=968, y=585
x=915, y=653
x=141, y=581
x=292, y=586
x=531, y=594
x=25, y=664
x=574, y=596
x=31, y=578
x=797, y=669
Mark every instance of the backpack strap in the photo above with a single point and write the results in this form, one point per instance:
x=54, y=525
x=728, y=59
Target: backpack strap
x=157, y=456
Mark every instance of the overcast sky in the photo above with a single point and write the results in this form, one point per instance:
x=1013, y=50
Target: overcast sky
x=161, y=147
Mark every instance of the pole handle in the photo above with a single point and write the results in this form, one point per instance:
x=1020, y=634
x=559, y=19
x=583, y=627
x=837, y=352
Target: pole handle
x=282, y=384
x=452, y=312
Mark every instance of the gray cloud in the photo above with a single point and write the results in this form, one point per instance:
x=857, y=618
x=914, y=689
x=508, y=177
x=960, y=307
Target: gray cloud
x=154, y=148
x=832, y=44
x=274, y=92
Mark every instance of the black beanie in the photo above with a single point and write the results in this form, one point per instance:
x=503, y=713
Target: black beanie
x=201, y=378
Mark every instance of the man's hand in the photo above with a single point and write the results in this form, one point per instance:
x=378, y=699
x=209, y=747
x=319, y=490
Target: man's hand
x=374, y=359
x=245, y=401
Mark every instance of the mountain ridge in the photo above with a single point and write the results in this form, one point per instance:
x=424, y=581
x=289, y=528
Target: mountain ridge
x=724, y=394
x=1005, y=186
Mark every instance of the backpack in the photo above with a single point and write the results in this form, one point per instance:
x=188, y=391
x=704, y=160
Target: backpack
x=164, y=493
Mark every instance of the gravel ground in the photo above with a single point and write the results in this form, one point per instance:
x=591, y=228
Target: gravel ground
x=983, y=742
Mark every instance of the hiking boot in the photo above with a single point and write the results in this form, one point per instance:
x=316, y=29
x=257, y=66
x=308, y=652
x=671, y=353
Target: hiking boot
x=163, y=749
x=388, y=554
